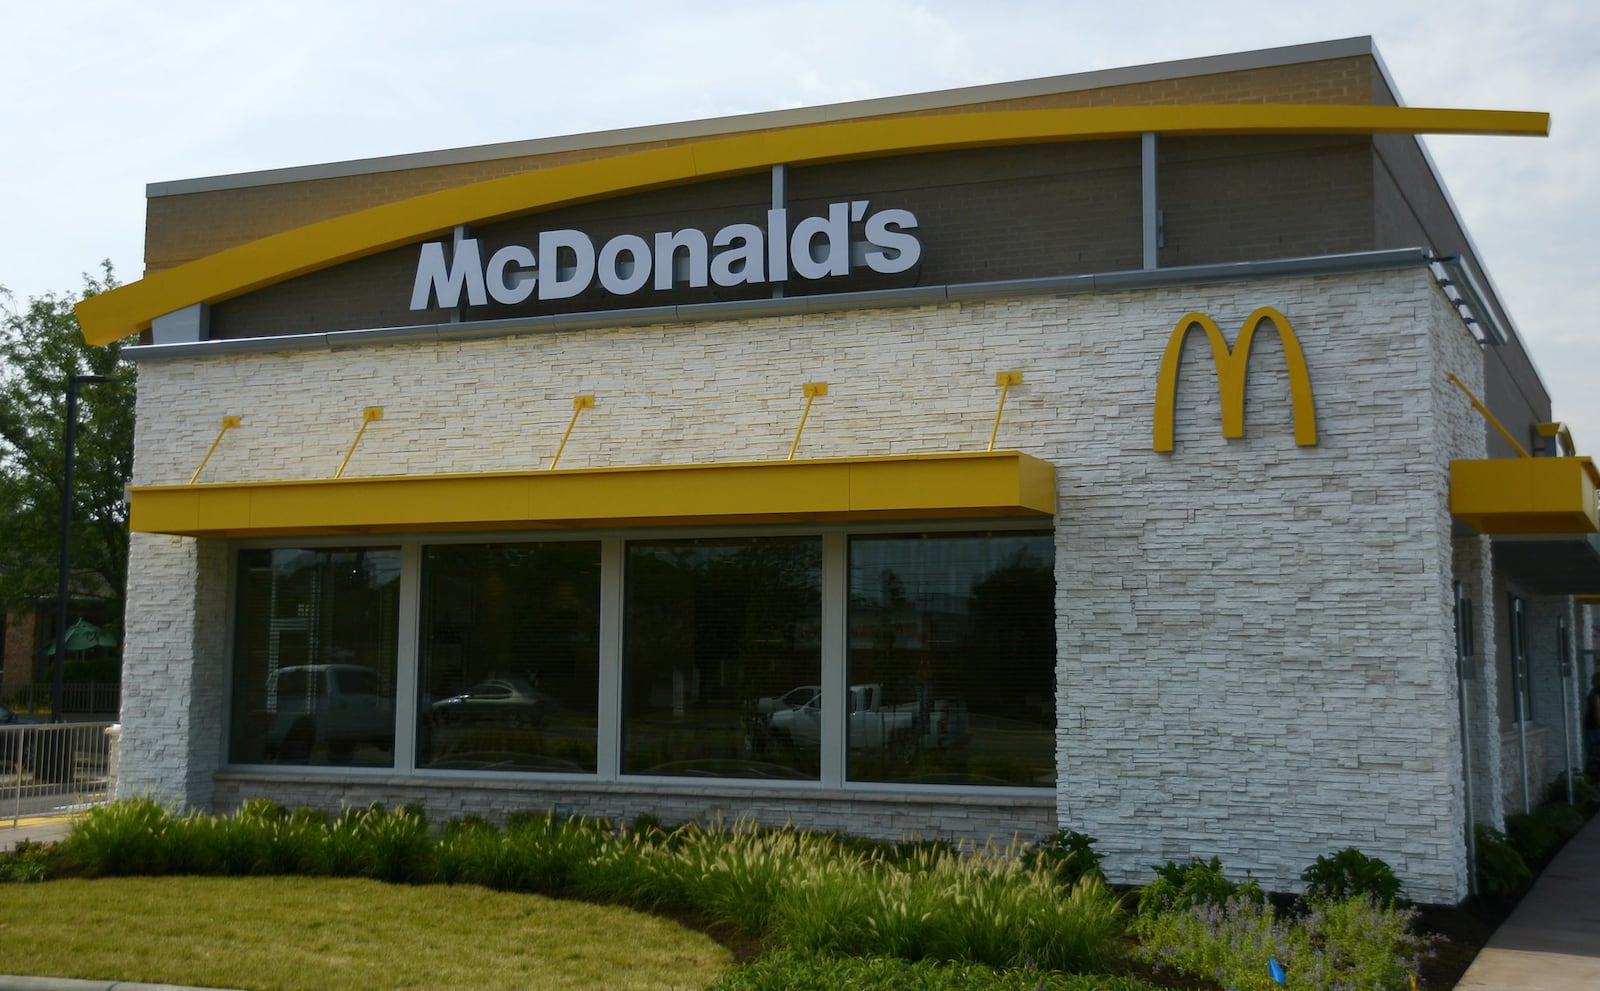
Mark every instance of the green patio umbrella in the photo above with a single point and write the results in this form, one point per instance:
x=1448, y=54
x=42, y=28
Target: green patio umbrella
x=83, y=635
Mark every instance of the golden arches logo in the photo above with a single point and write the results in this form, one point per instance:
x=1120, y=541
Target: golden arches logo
x=1232, y=364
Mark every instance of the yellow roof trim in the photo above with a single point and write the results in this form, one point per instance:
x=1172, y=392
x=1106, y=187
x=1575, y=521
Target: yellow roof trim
x=131, y=308
x=928, y=486
x=1504, y=496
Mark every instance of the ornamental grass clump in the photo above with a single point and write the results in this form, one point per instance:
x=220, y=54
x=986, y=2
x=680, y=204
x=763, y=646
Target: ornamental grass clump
x=981, y=906
x=548, y=853
x=126, y=837
x=735, y=874
x=789, y=971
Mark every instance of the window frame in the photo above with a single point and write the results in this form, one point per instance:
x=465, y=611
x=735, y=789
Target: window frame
x=835, y=539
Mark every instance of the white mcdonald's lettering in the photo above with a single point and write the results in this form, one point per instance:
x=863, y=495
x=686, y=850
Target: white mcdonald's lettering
x=566, y=262
x=1231, y=363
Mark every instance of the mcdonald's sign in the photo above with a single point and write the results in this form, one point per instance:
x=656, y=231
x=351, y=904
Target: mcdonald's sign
x=1232, y=364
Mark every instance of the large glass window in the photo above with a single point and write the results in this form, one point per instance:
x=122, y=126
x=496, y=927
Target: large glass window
x=952, y=659
x=314, y=656
x=509, y=656
x=719, y=633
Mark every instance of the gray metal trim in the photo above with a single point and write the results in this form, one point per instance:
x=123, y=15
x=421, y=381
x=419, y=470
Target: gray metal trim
x=1365, y=261
x=1150, y=204
x=936, y=99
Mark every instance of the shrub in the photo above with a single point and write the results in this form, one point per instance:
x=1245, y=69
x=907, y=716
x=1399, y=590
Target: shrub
x=25, y=862
x=1584, y=792
x=1501, y=869
x=1349, y=942
x=1561, y=819
x=1531, y=836
x=1070, y=854
x=1351, y=872
x=1198, y=882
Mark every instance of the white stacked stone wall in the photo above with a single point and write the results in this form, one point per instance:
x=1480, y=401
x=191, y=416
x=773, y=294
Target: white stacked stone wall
x=1255, y=657
x=1472, y=561
x=173, y=667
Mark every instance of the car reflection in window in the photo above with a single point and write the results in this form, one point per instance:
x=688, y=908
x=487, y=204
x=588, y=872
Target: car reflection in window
x=512, y=702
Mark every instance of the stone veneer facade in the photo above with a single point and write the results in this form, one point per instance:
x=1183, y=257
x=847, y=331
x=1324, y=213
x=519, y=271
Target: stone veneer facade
x=1254, y=648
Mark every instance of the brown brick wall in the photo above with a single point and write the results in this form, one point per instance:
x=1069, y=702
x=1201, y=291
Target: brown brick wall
x=21, y=646
x=183, y=227
x=1241, y=199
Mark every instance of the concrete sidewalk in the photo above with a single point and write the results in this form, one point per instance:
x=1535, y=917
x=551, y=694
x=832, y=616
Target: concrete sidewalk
x=40, y=829
x=1551, y=942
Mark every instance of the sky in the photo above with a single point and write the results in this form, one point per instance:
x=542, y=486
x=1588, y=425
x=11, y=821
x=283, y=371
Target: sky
x=102, y=98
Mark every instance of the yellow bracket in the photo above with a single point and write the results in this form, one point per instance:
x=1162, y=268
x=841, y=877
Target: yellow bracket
x=579, y=404
x=1493, y=422
x=1563, y=436
x=228, y=423
x=811, y=390
x=1005, y=380
x=367, y=416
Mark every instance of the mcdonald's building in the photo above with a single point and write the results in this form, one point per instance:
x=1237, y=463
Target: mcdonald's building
x=1143, y=452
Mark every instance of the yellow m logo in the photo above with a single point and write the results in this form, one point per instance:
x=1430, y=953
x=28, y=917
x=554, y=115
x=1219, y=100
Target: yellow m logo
x=1231, y=365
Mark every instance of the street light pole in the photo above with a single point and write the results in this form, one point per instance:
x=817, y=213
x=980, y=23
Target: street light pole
x=64, y=562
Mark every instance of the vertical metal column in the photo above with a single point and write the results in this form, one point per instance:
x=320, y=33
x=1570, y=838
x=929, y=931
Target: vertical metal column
x=780, y=197
x=1464, y=651
x=1152, y=212
x=1564, y=658
x=1519, y=665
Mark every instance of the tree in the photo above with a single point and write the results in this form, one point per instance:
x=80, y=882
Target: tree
x=40, y=346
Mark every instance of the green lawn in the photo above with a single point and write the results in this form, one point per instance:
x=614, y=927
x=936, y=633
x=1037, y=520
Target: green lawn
x=310, y=934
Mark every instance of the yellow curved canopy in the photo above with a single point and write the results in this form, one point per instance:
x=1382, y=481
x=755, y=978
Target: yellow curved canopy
x=233, y=272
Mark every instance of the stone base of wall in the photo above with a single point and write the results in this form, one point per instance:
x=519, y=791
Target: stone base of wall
x=969, y=818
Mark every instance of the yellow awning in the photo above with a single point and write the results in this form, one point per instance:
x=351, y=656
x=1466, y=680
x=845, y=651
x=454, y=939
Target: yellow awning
x=924, y=486
x=1526, y=495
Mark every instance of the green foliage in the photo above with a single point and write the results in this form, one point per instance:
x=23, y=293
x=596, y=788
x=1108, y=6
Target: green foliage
x=25, y=862
x=132, y=836
x=1348, y=942
x=1562, y=819
x=1069, y=853
x=386, y=846
x=1351, y=872
x=1530, y=836
x=737, y=874
x=788, y=971
x=1501, y=869
x=981, y=906
x=1198, y=882
x=551, y=852
x=1584, y=793
x=40, y=347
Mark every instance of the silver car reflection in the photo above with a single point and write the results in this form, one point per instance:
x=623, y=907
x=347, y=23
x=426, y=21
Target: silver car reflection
x=510, y=702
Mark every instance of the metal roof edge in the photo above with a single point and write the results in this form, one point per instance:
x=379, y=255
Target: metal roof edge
x=1312, y=265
